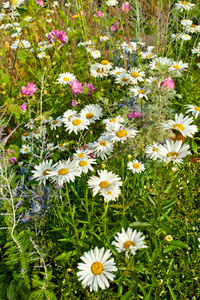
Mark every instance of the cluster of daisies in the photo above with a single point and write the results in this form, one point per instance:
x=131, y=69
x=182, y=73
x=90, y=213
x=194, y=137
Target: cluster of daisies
x=97, y=268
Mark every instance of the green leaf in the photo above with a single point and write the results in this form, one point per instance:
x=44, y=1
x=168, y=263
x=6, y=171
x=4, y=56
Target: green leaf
x=194, y=146
x=13, y=108
x=172, y=293
x=65, y=256
x=140, y=224
x=178, y=244
x=22, y=55
x=85, y=90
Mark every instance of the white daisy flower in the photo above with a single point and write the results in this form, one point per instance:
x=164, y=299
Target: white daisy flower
x=136, y=75
x=41, y=55
x=101, y=148
x=196, y=50
x=30, y=124
x=20, y=44
x=81, y=154
x=109, y=122
x=95, y=54
x=25, y=149
x=182, y=125
x=186, y=22
x=173, y=151
x=140, y=92
x=195, y=110
x=152, y=80
x=26, y=136
x=67, y=4
x=159, y=62
x=90, y=48
x=48, y=20
x=104, y=38
x=97, y=71
x=91, y=112
x=120, y=133
x=68, y=114
x=55, y=3
x=193, y=28
x=61, y=147
x=66, y=78
x=135, y=166
x=36, y=134
x=106, y=184
x=122, y=79
x=65, y=171
x=42, y=171
x=185, y=37
x=55, y=122
x=41, y=118
x=96, y=269
x=152, y=151
x=111, y=2
x=175, y=37
x=6, y=4
x=129, y=241
x=86, y=164
x=16, y=3
x=184, y=5
x=105, y=65
x=178, y=66
x=75, y=124
x=50, y=146
x=147, y=55
x=116, y=71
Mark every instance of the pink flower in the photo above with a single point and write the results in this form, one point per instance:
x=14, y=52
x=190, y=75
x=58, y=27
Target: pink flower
x=23, y=107
x=113, y=28
x=90, y=87
x=99, y=13
x=74, y=102
x=28, y=90
x=40, y=3
x=12, y=159
x=125, y=6
x=60, y=35
x=169, y=83
x=136, y=115
x=77, y=87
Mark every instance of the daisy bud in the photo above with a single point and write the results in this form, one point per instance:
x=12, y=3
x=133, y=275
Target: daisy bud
x=103, y=166
x=129, y=156
x=57, y=136
x=174, y=169
x=168, y=238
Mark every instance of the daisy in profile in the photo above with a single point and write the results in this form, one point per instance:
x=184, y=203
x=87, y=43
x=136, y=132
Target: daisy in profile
x=112, y=121
x=104, y=38
x=95, y=54
x=152, y=80
x=186, y=22
x=41, y=172
x=66, y=78
x=105, y=65
x=97, y=71
x=184, y=5
x=147, y=55
x=36, y=134
x=111, y=2
x=140, y=92
x=196, y=50
x=183, y=125
x=129, y=241
x=50, y=146
x=160, y=62
x=193, y=28
x=76, y=123
x=85, y=165
x=54, y=123
x=106, y=184
x=152, y=151
x=135, y=166
x=120, y=133
x=20, y=44
x=195, y=110
x=173, y=151
x=61, y=147
x=122, y=79
x=116, y=71
x=26, y=136
x=91, y=112
x=96, y=269
x=81, y=154
x=65, y=171
x=25, y=149
x=68, y=114
x=101, y=148
x=136, y=75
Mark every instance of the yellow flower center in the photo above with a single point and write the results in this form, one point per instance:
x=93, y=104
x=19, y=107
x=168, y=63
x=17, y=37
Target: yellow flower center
x=113, y=120
x=55, y=122
x=26, y=217
x=40, y=53
x=121, y=133
x=97, y=268
x=36, y=132
x=141, y=91
x=46, y=172
x=185, y=3
x=155, y=82
x=176, y=67
x=83, y=163
x=104, y=184
x=96, y=52
x=99, y=71
x=124, y=79
x=75, y=16
x=172, y=154
x=127, y=244
x=104, y=62
x=197, y=108
x=89, y=116
x=60, y=145
x=25, y=134
x=70, y=117
x=80, y=155
x=193, y=26
x=136, y=166
x=117, y=73
x=76, y=122
x=148, y=55
x=135, y=74
x=155, y=149
x=178, y=126
x=20, y=44
x=14, y=2
x=63, y=171
x=103, y=143
x=25, y=149
x=66, y=79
